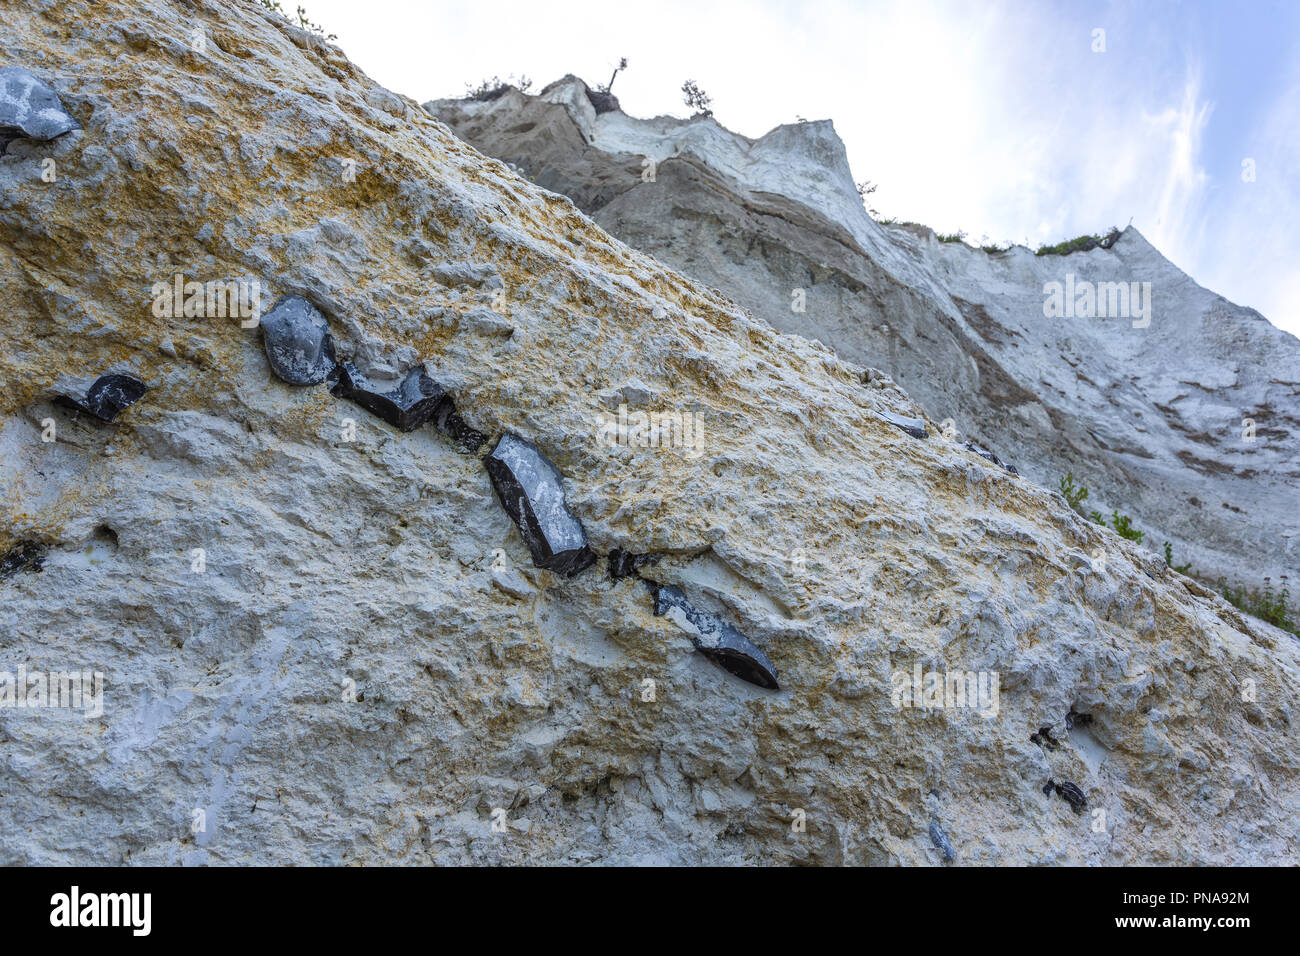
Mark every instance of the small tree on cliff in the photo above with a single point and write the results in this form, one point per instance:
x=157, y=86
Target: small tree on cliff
x=696, y=98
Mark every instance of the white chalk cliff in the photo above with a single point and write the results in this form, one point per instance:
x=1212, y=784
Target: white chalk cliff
x=323, y=640
x=1150, y=418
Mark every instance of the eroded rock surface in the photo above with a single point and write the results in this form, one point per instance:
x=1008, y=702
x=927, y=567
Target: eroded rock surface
x=335, y=643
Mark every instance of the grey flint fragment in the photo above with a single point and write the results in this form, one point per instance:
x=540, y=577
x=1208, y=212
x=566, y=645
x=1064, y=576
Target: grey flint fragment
x=913, y=426
x=531, y=491
x=108, y=396
x=30, y=108
x=941, y=842
x=297, y=341
x=408, y=404
x=989, y=456
x=715, y=638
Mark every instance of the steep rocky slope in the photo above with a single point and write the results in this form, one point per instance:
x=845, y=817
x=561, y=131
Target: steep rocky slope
x=322, y=639
x=1150, y=418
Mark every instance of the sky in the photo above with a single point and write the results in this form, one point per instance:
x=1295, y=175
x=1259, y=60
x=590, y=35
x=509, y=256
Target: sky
x=1011, y=122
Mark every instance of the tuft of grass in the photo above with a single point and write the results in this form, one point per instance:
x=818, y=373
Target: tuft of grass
x=950, y=236
x=1123, y=526
x=1080, y=244
x=302, y=21
x=1169, y=561
x=1264, y=603
x=1074, y=495
x=494, y=86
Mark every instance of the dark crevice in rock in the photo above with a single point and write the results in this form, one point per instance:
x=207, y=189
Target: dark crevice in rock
x=407, y=405
x=28, y=556
x=714, y=637
x=1075, y=719
x=108, y=396
x=913, y=426
x=625, y=564
x=531, y=490
x=296, y=337
x=30, y=109
x=1045, y=739
x=470, y=440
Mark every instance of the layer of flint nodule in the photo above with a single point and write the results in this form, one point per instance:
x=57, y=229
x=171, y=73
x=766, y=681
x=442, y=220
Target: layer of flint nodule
x=715, y=638
x=108, y=396
x=29, y=108
x=296, y=337
x=913, y=426
x=531, y=490
x=989, y=456
x=407, y=405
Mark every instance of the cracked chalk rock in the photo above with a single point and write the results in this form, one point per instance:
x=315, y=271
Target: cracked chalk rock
x=29, y=108
x=532, y=492
x=407, y=404
x=296, y=337
x=108, y=396
x=913, y=426
x=715, y=638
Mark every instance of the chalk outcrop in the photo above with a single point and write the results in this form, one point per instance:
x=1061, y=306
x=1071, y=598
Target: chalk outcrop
x=1170, y=403
x=323, y=640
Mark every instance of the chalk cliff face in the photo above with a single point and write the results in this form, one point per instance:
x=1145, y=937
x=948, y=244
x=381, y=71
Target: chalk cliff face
x=1151, y=418
x=322, y=639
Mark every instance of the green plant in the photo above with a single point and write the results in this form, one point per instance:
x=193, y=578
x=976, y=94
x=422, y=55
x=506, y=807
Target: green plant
x=950, y=236
x=274, y=7
x=494, y=86
x=1169, y=560
x=622, y=65
x=1080, y=244
x=865, y=189
x=696, y=98
x=1266, y=604
x=1097, y=517
x=993, y=248
x=1123, y=526
x=1074, y=494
